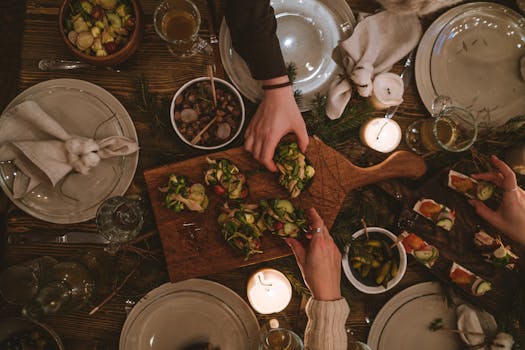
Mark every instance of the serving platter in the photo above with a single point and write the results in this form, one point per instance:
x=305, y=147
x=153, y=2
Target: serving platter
x=308, y=32
x=83, y=109
x=472, y=54
x=177, y=315
x=192, y=242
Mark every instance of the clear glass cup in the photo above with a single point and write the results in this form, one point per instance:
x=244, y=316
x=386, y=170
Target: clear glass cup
x=177, y=22
x=357, y=345
x=119, y=220
x=274, y=337
x=451, y=128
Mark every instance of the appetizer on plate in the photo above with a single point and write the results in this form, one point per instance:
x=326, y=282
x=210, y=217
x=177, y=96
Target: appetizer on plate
x=239, y=228
x=280, y=217
x=422, y=251
x=468, y=280
x=373, y=260
x=470, y=187
x=181, y=195
x=435, y=212
x=494, y=251
x=296, y=173
x=226, y=179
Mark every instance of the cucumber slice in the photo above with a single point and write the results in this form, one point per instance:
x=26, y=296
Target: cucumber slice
x=484, y=191
x=284, y=205
x=445, y=223
x=197, y=188
x=424, y=255
x=291, y=229
x=480, y=287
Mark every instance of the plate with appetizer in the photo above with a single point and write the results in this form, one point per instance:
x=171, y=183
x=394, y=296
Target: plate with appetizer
x=193, y=314
x=93, y=113
x=420, y=317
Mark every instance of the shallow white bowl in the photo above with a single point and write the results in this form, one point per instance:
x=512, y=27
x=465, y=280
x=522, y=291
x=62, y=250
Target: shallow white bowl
x=184, y=87
x=391, y=284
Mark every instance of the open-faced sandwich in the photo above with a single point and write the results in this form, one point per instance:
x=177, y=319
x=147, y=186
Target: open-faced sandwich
x=239, y=228
x=296, y=173
x=494, y=251
x=435, y=212
x=226, y=179
x=470, y=187
x=181, y=195
x=280, y=217
x=468, y=280
x=422, y=251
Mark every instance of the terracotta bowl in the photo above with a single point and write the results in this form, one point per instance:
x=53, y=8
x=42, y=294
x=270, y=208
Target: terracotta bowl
x=115, y=58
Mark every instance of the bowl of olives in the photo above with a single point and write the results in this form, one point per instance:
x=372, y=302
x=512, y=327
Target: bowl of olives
x=101, y=32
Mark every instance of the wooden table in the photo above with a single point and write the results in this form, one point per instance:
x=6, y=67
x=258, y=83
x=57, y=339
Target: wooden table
x=165, y=74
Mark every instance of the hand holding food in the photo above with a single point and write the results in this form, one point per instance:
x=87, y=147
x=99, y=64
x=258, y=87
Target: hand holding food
x=226, y=179
x=320, y=263
x=180, y=195
x=239, y=228
x=276, y=116
x=471, y=188
x=509, y=218
x=296, y=173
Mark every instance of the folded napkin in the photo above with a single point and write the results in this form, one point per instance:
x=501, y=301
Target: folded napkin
x=468, y=321
x=44, y=152
x=377, y=43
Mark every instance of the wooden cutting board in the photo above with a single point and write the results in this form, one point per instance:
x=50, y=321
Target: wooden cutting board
x=456, y=245
x=192, y=242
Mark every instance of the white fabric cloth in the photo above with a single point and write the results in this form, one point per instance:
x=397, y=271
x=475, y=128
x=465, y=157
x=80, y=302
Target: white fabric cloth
x=44, y=152
x=377, y=43
x=468, y=321
x=326, y=325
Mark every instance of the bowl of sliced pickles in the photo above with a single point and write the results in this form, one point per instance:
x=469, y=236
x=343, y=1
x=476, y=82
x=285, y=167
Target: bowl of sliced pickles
x=373, y=262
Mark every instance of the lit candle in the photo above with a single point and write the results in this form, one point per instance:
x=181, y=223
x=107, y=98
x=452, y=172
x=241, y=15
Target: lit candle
x=381, y=134
x=387, y=90
x=269, y=291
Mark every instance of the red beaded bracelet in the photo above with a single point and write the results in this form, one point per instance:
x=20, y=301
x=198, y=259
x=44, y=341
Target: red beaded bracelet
x=276, y=86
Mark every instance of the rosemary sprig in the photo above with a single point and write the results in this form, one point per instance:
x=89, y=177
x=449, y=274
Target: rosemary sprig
x=148, y=103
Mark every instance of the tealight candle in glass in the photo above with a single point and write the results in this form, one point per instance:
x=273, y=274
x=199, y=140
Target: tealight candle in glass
x=381, y=134
x=269, y=291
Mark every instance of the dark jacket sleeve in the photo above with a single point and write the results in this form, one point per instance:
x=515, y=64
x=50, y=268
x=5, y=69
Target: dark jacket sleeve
x=252, y=28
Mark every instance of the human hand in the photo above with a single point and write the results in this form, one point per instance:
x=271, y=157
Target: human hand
x=276, y=116
x=320, y=263
x=509, y=218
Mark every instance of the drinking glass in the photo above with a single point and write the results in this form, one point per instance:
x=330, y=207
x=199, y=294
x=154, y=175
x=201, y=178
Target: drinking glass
x=357, y=345
x=274, y=337
x=119, y=220
x=177, y=22
x=451, y=128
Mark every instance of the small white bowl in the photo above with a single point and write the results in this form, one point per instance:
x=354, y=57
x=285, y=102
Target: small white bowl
x=391, y=284
x=184, y=87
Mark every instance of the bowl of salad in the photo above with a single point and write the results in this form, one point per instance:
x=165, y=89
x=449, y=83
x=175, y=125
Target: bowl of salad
x=101, y=32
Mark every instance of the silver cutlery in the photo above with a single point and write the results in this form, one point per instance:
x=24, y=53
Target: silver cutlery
x=406, y=76
x=65, y=238
x=58, y=65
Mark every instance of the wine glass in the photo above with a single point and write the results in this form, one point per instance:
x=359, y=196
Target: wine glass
x=119, y=220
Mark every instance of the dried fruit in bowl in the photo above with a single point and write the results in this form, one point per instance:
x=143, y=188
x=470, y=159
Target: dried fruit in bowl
x=226, y=179
x=296, y=173
x=181, y=195
x=280, y=217
x=239, y=228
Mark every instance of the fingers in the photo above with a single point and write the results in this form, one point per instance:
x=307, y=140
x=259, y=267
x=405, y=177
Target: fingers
x=495, y=178
x=268, y=150
x=298, y=250
x=302, y=137
x=486, y=213
x=509, y=177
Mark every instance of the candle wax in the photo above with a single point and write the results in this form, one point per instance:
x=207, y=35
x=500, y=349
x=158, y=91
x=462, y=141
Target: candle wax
x=269, y=291
x=381, y=134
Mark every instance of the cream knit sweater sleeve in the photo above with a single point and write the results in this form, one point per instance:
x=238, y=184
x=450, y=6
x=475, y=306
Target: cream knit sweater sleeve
x=326, y=325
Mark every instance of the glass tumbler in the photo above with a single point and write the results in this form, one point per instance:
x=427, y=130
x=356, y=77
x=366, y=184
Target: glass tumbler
x=177, y=22
x=451, y=128
x=119, y=220
x=274, y=337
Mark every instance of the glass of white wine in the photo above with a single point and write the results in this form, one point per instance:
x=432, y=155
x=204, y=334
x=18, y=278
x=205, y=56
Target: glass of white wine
x=451, y=128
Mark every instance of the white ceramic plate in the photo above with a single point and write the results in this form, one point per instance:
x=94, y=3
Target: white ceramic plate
x=403, y=322
x=471, y=53
x=87, y=110
x=308, y=32
x=176, y=315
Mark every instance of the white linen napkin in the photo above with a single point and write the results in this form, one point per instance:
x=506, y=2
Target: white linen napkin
x=468, y=321
x=377, y=43
x=44, y=152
